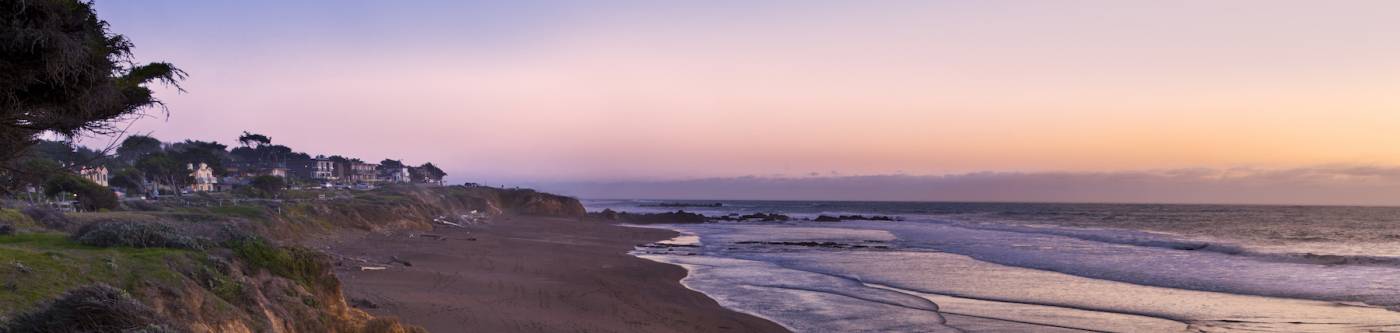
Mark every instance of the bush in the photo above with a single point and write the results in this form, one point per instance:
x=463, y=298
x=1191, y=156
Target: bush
x=268, y=186
x=6, y=229
x=309, y=268
x=93, y=308
x=141, y=206
x=48, y=217
x=91, y=197
x=15, y=218
x=134, y=234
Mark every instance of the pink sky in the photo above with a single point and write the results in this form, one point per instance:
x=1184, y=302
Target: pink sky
x=564, y=91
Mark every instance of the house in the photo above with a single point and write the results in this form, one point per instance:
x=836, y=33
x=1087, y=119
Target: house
x=97, y=175
x=239, y=174
x=319, y=169
x=366, y=173
x=274, y=171
x=426, y=177
x=395, y=175
x=325, y=169
x=204, y=180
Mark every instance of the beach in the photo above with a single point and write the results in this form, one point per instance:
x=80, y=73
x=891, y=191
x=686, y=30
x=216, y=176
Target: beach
x=528, y=274
x=1039, y=267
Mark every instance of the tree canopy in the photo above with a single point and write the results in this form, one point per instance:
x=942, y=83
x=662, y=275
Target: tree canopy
x=90, y=195
x=268, y=186
x=253, y=140
x=134, y=147
x=431, y=171
x=63, y=72
x=194, y=152
x=388, y=164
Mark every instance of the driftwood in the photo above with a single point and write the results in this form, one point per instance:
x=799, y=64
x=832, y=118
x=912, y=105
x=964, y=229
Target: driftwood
x=445, y=221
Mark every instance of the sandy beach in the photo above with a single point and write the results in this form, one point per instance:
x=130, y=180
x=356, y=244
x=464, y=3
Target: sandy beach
x=529, y=274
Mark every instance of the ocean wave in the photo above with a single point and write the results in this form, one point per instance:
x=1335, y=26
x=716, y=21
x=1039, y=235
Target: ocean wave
x=1174, y=242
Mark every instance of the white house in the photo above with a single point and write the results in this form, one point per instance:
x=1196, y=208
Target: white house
x=97, y=175
x=325, y=169
x=204, y=179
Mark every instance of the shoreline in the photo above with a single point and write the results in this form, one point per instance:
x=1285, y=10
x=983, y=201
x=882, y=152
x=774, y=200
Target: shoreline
x=685, y=238
x=964, y=292
x=528, y=274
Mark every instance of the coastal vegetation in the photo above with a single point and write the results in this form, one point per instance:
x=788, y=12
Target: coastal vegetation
x=211, y=263
x=151, y=236
x=65, y=73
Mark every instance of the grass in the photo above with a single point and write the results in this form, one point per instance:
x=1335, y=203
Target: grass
x=39, y=266
x=222, y=285
x=304, y=266
x=16, y=218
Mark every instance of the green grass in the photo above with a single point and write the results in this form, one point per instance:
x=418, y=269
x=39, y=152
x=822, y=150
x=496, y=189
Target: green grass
x=40, y=266
x=16, y=218
x=304, y=266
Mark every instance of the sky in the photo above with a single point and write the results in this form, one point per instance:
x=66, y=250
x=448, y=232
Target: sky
x=578, y=94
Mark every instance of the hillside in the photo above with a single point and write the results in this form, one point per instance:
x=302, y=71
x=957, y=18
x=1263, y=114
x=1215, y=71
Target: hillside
x=221, y=264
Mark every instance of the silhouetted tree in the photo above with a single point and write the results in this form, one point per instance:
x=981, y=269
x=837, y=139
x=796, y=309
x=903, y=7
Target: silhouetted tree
x=388, y=164
x=268, y=186
x=195, y=152
x=62, y=72
x=129, y=178
x=249, y=139
x=135, y=147
x=163, y=169
x=35, y=172
x=431, y=172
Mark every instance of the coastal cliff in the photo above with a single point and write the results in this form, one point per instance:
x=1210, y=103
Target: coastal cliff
x=210, y=264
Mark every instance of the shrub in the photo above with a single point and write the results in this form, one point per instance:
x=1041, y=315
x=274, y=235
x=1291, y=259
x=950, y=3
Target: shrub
x=309, y=268
x=91, y=197
x=134, y=234
x=14, y=218
x=6, y=229
x=268, y=186
x=92, y=308
x=48, y=217
x=141, y=205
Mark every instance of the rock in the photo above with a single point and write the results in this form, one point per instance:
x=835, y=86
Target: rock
x=765, y=217
x=682, y=205
x=825, y=218
x=829, y=218
x=679, y=216
x=363, y=303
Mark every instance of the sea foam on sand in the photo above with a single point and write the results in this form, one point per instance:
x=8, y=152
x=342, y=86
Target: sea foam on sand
x=941, y=277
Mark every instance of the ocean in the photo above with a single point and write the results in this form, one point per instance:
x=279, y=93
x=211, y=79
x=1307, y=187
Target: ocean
x=993, y=267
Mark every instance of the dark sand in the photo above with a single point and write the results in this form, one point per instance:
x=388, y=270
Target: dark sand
x=528, y=274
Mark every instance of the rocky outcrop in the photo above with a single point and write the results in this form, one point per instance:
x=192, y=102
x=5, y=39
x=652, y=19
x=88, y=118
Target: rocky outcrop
x=762, y=217
x=679, y=216
x=839, y=218
x=531, y=202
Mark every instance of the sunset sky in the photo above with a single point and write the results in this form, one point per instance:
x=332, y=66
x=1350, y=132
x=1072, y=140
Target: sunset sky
x=569, y=91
